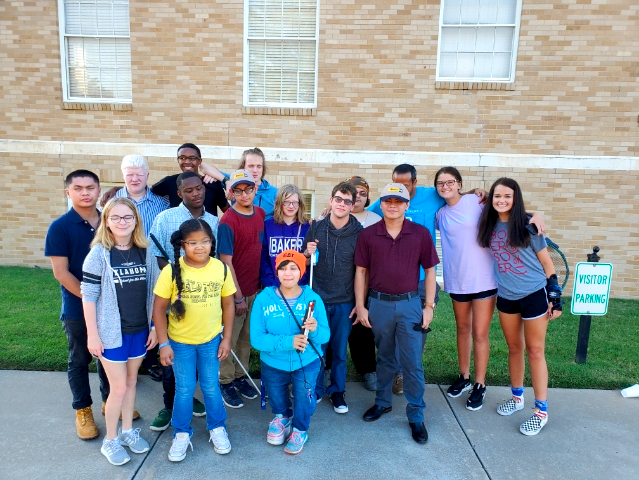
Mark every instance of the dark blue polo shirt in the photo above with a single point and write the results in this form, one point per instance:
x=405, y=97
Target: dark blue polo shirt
x=70, y=236
x=393, y=263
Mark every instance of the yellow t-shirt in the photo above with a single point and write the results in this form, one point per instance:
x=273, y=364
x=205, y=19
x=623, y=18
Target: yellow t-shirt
x=202, y=300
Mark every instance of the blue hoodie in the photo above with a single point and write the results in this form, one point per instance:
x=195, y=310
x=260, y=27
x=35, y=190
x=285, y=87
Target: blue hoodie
x=277, y=238
x=272, y=329
x=265, y=198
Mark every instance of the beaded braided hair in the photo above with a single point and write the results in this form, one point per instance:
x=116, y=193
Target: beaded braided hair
x=194, y=225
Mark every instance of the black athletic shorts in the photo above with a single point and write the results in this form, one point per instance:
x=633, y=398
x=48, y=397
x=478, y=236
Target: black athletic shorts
x=530, y=307
x=469, y=297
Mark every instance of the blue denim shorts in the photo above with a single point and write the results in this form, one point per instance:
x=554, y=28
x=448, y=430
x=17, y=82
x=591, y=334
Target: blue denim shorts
x=133, y=346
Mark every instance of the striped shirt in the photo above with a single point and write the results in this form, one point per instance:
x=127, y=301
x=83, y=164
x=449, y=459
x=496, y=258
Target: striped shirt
x=149, y=206
x=169, y=221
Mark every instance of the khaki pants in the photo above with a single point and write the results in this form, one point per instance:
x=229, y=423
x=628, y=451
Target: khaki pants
x=241, y=345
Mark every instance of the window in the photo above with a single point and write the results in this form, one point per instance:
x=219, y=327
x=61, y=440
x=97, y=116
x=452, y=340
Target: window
x=95, y=51
x=280, y=53
x=309, y=202
x=478, y=40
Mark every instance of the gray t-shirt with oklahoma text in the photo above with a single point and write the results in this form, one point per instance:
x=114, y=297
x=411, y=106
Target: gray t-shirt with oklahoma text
x=517, y=270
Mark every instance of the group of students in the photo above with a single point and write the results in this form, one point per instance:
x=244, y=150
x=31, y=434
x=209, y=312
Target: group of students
x=204, y=290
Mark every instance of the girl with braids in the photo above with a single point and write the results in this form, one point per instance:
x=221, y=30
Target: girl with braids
x=289, y=341
x=117, y=302
x=200, y=290
x=526, y=281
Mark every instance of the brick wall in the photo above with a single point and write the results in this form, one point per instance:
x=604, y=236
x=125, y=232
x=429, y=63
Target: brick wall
x=575, y=92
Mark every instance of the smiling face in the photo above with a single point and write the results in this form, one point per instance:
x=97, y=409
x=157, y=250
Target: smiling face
x=197, y=247
x=121, y=221
x=290, y=206
x=339, y=206
x=83, y=192
x=394, y=208
x=135, y=179
x=289, y=275
x=447, y=186
x=503, y=200
x=192, y=192
x=189, y=160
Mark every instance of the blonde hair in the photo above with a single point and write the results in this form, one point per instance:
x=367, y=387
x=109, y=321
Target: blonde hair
x=253, y=151
x=104, y=236
x=282, y=194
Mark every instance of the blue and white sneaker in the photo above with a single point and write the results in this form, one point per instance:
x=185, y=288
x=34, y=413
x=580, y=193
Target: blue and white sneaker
x=278, y=430
x=296, y=442
x=113, y=451
x=133, y=441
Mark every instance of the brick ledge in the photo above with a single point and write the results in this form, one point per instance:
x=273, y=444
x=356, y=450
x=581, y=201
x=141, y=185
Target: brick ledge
x=474, y=86
x=127, y=107
x=304, y=112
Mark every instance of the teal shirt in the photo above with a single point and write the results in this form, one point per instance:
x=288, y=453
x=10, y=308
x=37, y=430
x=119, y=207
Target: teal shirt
x=422, y=210
x=272, y=329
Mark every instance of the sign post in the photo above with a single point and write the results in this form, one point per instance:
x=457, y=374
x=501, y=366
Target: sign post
x=590, y=295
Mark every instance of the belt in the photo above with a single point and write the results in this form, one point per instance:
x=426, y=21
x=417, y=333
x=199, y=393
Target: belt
x=385, y=297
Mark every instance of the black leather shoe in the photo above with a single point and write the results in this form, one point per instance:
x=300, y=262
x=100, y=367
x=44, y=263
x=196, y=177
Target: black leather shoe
x=375, y=412
x=420, y=435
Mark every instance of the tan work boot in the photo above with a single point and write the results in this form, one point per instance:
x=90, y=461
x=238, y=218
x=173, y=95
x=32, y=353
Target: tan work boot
x=85, y=425
x=136, y=414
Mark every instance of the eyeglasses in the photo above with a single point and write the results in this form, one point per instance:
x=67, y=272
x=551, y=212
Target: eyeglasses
x=118, y=218
x=362, y=193
x=345, y=201
x=192, y=158
x=291, y=204
x=238, y=191
x=448, y=183
x=203, y=243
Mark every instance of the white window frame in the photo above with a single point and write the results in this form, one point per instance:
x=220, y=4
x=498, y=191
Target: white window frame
x=513, y=57
x=64, y=64
x=245, y=74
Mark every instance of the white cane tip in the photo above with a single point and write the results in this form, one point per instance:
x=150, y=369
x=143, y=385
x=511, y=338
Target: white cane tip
x=632, y=391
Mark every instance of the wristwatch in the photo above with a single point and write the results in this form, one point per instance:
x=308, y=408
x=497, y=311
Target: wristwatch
x=431, y=305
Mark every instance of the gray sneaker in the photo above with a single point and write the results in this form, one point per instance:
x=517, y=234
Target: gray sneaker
x=370, y=381
x=113, y=451
x=133, y=440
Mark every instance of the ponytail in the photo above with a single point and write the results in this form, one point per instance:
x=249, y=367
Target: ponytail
x=177, y=307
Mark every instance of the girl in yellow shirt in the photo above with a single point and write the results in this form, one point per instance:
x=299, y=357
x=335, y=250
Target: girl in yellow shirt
x=200, y=289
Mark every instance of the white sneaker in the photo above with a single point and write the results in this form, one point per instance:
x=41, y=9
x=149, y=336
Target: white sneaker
x=511, y=406
x=534, y=424
x=220, y=439
x=181, y=443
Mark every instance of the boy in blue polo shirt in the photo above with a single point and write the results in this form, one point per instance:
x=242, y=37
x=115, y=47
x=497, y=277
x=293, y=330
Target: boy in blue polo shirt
x=67, y=245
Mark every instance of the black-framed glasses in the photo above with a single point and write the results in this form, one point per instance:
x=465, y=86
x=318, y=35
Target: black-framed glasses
x=345, y=201
x=448, y=183
x=192, y=158
x=238, y=191
x=118, y=218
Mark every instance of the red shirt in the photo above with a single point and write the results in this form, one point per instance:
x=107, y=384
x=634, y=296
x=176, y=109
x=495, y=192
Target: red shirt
x=393, y=263
x=241, y=236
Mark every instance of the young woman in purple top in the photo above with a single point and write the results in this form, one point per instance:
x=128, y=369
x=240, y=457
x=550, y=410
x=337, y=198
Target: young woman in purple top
x=468, y=279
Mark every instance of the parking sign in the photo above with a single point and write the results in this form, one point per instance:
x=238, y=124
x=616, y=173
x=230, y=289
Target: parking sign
x=591, y=289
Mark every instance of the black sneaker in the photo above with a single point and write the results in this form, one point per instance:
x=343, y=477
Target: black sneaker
x=476, y=397
x=246, y=390
x=460, y=386
x=339, y=404
x=229, y=396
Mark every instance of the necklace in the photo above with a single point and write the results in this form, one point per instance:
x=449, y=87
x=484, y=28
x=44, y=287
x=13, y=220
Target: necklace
x=123, y=246
x=126, y=259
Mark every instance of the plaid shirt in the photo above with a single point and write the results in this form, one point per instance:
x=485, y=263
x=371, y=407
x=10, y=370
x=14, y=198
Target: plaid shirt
x=149, y=206
x=169, y=221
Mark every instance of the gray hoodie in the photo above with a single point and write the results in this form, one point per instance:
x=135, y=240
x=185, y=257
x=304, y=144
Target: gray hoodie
x=334, y=273
x=103, y=294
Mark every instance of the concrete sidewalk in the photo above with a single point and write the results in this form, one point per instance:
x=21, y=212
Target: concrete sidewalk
x=590, y=434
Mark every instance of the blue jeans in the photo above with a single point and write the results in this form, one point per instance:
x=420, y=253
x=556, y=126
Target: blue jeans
x=303, y=380
x=393, y=324
x=340, y=326
x=188, y=359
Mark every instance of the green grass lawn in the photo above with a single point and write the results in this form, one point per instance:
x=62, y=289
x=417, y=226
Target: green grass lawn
x=32, y=338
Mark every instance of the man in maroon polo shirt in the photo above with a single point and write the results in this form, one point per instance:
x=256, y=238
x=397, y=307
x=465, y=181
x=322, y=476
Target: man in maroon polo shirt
x=389, y=253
